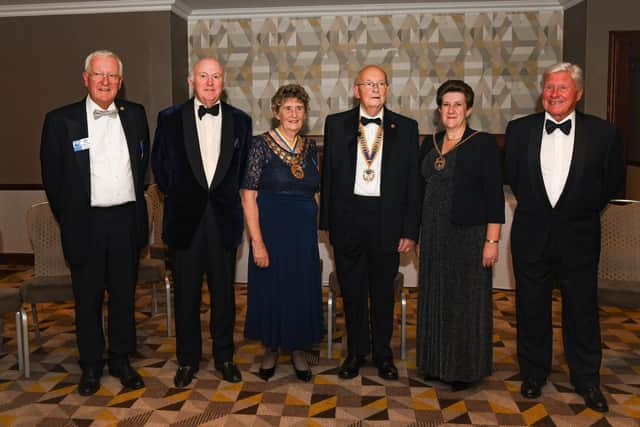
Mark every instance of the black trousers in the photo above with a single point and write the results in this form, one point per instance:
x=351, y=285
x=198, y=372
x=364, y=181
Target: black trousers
x=365, y=272
x=112, y=265
x=205, y=254
x=576, y=276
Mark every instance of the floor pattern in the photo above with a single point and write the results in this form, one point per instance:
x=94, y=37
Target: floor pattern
x=49, y=398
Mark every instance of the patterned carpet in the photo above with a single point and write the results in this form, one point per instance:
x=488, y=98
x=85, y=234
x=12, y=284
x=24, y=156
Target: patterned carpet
x=49, y=397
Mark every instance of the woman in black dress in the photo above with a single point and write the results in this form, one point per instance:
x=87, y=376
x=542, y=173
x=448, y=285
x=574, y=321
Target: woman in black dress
x=284, y=307
x=463, y=208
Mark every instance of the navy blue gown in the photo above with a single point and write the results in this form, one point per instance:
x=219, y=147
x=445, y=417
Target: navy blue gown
x=284, y=303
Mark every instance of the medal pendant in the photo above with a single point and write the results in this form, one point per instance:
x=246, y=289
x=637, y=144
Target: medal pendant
x=297, y=171
x=439, y=163
x=368, y=175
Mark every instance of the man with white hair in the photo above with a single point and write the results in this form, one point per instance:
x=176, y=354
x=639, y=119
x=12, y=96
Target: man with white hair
x=94, y=156
x=563, y=167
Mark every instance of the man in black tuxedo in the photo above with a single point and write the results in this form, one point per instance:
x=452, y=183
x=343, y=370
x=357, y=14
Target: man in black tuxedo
x=563, y=167
x=94, y=156
x=198, y=159
x=370, y=206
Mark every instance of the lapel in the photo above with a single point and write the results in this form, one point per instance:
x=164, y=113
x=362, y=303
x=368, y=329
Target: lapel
x=133, y=144
x=533, y=156
x=191, y=144
x=76, y=123
x=351, y=131
x=227, y=140
x=578, y=159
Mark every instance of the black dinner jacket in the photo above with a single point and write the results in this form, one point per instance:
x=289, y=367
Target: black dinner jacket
x=66, y=173
x=178, y=170
x=399, y=196
x=595, y=176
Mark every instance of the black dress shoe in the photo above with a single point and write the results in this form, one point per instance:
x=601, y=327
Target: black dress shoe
x=129, y=377
x=89, y=383
x=531, y=388
x=184, y=376
x=304, y=375
x=229, y=372
x=266, y=373
x=387, y=370
x=459, y=385
x=594, y=399
x=350, y=368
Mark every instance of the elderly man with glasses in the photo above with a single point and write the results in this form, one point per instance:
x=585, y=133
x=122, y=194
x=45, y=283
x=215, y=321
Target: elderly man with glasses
x=369, y=205
x=94, y=156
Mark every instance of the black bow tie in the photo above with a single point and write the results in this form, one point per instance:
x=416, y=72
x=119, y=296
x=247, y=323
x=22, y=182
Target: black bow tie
x=365, y=121
x=565, y=126
x=214, y=111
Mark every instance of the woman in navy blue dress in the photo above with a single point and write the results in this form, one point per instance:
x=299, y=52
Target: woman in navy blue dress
x=284, y=307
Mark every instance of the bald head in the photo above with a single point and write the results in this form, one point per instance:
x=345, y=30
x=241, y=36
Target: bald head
x=370, y=88
x=207, y=81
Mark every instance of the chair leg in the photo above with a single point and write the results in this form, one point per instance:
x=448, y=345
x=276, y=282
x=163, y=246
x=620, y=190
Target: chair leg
x=154, y=300
x=19, y=342
x=25, y=343
x=2, y=334
x=330, y=320
x=167, y=289
x=403, y=326
x=36, y=324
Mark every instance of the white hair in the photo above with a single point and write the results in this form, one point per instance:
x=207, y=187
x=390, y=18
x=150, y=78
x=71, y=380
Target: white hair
x=87, y=61
x=574, y=70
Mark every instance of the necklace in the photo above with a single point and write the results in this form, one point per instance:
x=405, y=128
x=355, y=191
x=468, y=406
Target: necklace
x=440, y=162
x=285, y=141
x=291, y=158
x=369, y=156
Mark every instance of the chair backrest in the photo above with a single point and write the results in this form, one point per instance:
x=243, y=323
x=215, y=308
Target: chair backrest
x=620, y=240
x=44, y=234
x=154, y=206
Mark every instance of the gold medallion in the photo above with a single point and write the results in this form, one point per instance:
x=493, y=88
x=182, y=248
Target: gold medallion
x=297, y=171
x=368, y=175
x=439, y=163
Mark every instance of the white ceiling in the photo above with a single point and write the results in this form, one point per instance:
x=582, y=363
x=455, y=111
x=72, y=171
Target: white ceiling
x=235, y=8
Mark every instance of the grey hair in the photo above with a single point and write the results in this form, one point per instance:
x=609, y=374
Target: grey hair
x=87, y=61
x=574, y=70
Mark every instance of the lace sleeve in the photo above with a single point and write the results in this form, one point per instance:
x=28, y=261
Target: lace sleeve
x=255, y=162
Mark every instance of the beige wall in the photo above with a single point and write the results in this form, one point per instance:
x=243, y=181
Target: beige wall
x=42, y=65
x=594, y=19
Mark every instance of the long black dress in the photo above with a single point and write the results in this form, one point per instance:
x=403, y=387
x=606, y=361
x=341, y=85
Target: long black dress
x=284, y=307
x=454, y=334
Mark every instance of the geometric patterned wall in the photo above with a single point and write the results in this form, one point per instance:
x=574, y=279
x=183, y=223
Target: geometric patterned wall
x=500, y=54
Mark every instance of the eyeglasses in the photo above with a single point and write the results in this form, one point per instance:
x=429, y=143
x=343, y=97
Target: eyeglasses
x=371, y=85
x=100, y=76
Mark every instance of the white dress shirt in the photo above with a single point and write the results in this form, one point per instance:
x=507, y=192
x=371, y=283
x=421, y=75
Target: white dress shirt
x=209, y=129
x=362, y=187
x=109, y=163
x=556, y=151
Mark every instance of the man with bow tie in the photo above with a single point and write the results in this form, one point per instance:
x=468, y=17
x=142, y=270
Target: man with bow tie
x=370, y=206
x=94, y=156
x=198, y=158
x=563, y=167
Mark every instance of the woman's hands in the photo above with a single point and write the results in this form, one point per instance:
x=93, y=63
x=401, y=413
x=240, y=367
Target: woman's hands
x=260, y=254
x=489, y=254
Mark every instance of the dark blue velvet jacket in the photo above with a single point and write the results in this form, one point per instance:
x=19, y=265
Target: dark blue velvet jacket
x=177, y=166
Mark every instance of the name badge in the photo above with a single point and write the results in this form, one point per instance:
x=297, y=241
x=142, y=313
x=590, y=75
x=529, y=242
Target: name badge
x=80, y=144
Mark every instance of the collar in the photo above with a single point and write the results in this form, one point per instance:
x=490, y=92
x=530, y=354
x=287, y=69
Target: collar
x=571, y=117
x=91, y=105
x=380, y=114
